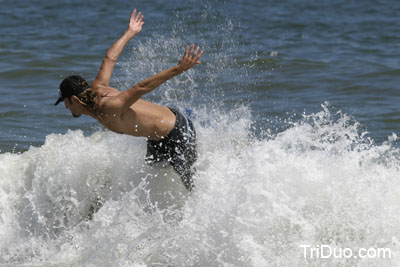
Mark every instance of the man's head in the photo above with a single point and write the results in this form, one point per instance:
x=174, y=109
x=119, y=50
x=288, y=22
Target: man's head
x=70, y=86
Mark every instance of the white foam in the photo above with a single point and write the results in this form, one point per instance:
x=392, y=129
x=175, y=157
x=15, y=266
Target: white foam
x=322, y=181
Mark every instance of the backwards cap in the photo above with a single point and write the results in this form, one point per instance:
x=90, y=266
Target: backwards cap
x=72, y=85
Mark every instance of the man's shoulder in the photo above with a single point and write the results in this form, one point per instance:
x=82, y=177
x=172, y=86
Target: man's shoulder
x=102, y=89
x=105, y=92
x=109, y=102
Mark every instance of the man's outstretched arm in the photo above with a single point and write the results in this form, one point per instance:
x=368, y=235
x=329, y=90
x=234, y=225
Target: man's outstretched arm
x=107, y=66
x=189, y=60
x=123, y=101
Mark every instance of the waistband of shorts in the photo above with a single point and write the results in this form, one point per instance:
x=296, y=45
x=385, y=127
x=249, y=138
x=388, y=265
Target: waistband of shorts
x=182, y=125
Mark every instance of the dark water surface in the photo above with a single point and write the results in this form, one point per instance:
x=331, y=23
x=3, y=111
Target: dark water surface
x=284, y=58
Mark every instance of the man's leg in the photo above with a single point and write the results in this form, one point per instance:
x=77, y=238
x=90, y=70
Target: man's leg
x=156, y=151
x=182, y=160
x=185, y=171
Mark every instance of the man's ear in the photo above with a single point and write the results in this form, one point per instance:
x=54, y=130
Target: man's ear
x=76, y=100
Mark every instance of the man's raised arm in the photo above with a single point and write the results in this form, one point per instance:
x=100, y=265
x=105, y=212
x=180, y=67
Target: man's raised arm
x=107, y=66
x=124, y=100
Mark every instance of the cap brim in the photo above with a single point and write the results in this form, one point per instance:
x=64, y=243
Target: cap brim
x=58, y=101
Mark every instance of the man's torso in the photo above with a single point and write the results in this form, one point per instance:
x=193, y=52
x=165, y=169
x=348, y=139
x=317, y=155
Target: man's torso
x=143, y=118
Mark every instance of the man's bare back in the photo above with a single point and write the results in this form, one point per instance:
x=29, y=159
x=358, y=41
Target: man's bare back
x=143, y=118
x=170, y=134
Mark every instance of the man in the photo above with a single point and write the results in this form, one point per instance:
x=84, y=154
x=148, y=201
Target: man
x=171, y=136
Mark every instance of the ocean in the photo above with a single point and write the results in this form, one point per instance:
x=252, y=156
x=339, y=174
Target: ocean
x=296, y=107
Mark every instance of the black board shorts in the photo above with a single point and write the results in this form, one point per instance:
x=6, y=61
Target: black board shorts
x=178, y=148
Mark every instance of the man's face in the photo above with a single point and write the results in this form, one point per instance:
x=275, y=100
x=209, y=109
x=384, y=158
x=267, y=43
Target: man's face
x=69, y=104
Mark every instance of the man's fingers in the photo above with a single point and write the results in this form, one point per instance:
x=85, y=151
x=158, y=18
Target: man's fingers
x=133, y=13
x=199, y=56
x=186, y=51
x=138, y=17
x=191, y=50
x=196, y=51
x=193, y=55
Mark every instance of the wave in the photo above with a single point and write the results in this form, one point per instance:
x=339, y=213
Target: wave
x=92, y=201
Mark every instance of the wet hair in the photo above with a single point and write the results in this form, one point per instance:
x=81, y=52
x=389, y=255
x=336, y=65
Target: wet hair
x=90, y=98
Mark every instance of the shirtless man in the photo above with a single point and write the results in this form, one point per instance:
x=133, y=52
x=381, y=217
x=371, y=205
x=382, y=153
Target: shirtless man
x=171, y=136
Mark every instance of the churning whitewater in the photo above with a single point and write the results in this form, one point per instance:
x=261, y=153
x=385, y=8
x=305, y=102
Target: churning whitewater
x=92, y=201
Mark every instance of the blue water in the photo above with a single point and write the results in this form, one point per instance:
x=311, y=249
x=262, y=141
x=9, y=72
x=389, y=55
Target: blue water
x=296, y=107
x=280, y=58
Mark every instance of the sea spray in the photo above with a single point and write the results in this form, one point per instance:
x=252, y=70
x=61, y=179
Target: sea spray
x=321, y=181
x=49, y=190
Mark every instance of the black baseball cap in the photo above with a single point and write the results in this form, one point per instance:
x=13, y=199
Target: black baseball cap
x=72, y=85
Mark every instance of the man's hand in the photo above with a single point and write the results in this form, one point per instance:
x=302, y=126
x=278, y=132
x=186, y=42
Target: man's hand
x=190, y=58
x=136, y=23
x=107, y=67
